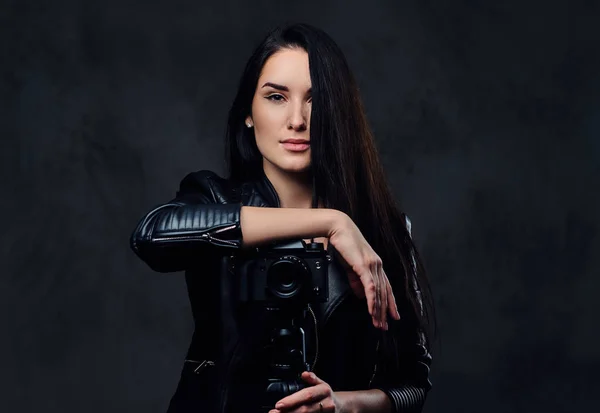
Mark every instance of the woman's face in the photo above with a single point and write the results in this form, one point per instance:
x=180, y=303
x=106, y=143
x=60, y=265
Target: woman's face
x=281, y=110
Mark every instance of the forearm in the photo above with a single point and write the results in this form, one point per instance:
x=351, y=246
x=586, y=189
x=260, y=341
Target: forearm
x=364, y=401
x=263, y=225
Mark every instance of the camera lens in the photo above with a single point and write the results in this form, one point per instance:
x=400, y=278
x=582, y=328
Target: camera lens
x=287, y=281
x=286, y=277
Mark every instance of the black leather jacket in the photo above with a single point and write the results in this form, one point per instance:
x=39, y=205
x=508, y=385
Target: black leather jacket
x=196, y=232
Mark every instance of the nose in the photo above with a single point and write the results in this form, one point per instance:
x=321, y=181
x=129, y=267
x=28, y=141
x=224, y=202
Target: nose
x=298, y=117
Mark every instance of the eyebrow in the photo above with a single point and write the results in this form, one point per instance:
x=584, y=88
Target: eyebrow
x=281, y=87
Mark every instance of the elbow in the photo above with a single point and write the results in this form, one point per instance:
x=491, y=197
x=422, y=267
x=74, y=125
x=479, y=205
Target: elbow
x=153, y=256
x=143, y=251
x=141, y=243
x=140, y=238
x=135, y=242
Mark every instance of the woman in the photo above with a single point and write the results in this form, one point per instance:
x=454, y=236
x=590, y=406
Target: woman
x=302, y=164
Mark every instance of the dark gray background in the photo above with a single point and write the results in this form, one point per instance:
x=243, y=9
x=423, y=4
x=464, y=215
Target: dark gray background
x=487, y=117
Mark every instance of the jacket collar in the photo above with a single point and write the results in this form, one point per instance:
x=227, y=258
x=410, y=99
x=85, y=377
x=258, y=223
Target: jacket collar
x=266, y=190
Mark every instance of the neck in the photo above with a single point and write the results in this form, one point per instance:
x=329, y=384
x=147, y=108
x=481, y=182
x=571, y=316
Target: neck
x=293, y=189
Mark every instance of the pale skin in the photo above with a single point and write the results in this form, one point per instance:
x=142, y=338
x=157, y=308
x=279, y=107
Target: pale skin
x=281, y=109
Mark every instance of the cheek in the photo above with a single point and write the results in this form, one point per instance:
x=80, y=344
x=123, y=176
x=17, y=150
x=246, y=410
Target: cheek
x=268, y=121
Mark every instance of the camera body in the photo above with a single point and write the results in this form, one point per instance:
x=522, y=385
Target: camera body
x=287, y=273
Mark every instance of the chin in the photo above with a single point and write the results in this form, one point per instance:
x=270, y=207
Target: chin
x=289, y=165
x=296, y=169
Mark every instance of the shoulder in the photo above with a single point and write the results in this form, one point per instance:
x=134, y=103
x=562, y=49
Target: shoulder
x=203, y=179
x=208, y=185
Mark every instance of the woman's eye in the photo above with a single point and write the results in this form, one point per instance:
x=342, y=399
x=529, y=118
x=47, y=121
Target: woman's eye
x=272, y=97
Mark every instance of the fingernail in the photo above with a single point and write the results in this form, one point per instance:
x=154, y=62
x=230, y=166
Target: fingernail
x=279, y=405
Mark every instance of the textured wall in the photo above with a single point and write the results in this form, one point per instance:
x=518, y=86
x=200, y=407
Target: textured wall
x=487, y=116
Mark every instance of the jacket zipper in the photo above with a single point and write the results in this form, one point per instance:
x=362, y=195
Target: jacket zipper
x=201, y=364
x=204, y=236
x=224, y=384
x=375, y=366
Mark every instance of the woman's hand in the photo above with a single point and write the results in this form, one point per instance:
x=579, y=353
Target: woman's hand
x=310, y=399
x=364, y=269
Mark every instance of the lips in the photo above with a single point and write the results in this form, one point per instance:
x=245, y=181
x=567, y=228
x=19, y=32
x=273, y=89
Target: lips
x=295, y=141
x=296, y=147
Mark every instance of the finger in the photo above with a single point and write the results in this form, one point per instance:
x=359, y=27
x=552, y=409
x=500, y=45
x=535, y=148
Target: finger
x=369, y=287
x=384, y=295
x=377, y=313
x=314, y=407
x=311, y=377
x=373, y=296
x=380, y=291
x=378, y=299
x=392, y=299
x=378, y=302
x=308, y=395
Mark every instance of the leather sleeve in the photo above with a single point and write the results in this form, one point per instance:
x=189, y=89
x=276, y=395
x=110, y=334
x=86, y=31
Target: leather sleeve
x=173, y=236
x=408, y=385
x=406, y=382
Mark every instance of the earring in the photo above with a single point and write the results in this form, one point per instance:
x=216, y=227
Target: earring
x=249, y=124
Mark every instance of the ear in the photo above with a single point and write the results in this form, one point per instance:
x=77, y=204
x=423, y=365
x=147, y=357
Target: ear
x=249, y=120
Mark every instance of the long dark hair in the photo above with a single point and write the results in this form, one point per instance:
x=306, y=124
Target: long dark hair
x=346, y=170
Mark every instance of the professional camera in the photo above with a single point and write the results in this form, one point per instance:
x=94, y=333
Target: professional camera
x=281, y=282
x=288, y=273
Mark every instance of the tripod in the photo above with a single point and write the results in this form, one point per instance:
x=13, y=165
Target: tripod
x=285, y=353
